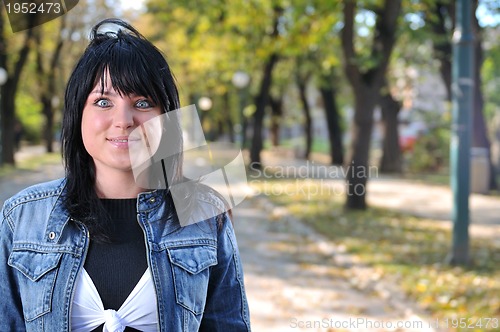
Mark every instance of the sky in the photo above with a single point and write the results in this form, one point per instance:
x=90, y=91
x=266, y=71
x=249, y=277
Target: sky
x=132, y=4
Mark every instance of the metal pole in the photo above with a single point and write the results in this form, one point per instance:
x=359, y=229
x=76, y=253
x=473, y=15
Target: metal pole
x=462, y=105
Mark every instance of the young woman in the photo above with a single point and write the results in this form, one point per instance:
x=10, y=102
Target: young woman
x=96, y=252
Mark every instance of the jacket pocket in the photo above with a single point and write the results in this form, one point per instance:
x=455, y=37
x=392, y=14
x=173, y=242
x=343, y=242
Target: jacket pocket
x=36, y=284
x=191, y=273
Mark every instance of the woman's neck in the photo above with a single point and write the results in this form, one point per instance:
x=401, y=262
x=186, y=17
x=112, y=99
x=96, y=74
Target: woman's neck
x=120, y=185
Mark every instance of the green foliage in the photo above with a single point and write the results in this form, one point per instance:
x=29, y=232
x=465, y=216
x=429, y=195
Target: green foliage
x=207, y=42
x=28, y=113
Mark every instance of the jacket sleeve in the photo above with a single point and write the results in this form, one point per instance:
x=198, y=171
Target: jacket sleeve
x=226, y=306
x=11, y=312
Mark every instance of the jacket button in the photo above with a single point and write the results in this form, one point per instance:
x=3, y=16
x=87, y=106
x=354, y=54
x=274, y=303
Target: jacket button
x=152, y=199
x=52, y=235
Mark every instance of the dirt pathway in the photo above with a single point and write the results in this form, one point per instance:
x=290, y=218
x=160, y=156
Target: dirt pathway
x=298, y=281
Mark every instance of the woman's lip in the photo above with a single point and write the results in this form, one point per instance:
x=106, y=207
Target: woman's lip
x=122, y=142
x=123, y=139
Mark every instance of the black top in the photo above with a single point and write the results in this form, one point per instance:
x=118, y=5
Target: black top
x=117, y=266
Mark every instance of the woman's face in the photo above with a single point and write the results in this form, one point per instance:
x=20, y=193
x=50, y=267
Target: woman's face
x=107, y=121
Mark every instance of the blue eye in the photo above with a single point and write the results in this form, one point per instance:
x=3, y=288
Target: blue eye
x=102, y=103
x=143, y=103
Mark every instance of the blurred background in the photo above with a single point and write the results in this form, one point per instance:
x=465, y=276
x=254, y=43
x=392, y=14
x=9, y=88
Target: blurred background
x=345, y=113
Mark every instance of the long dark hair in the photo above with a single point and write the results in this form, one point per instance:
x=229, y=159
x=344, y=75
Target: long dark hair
x=135, y=65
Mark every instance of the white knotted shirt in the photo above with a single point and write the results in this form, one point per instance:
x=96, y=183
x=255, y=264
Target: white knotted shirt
x=139, y=310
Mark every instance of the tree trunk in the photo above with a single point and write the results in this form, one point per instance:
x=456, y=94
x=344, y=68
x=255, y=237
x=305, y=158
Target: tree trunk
x=333, y=123
x=229, y=119
x=244, y=134
x=8, y=123
x=301, y=84
x=277, y=116
x=391, y=151
x=220, y=130
x=48, y=133
x=366, y=85
x=358, y=169
x=442, y=44
x=4, y=113
x=480, y=131
x=261, y=102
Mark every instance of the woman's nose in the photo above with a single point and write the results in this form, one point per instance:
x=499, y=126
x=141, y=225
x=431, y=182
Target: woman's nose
x=123, y=116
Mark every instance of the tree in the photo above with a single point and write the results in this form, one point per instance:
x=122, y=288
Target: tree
x=13, y=63
x=262, y=98
x=302, y=76
x=441, y=20
x=328, y=89
x=276, y=104
x=325, y=56
x=47, y=78
x=366, y=79
x=480, y=131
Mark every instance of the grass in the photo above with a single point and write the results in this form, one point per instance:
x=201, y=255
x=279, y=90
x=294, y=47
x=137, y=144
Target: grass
x=409, y=250
x=441, y=179
x=318, y=146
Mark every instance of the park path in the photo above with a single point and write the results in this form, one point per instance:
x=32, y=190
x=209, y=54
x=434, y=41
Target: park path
x=20, y=179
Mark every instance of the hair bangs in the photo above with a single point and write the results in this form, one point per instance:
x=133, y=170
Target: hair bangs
x=128, y=70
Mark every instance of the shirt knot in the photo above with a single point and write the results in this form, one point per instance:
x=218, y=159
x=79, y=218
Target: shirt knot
x=113, y=321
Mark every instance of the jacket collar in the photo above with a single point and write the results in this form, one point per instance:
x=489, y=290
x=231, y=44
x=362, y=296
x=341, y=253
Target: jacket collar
x=58, y=217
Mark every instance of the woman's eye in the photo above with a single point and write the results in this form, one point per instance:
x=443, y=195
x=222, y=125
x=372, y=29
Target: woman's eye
x=143, y=104
x=102, y=103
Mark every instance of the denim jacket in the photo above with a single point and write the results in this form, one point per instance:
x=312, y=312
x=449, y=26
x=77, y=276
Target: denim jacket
x=196, y=269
